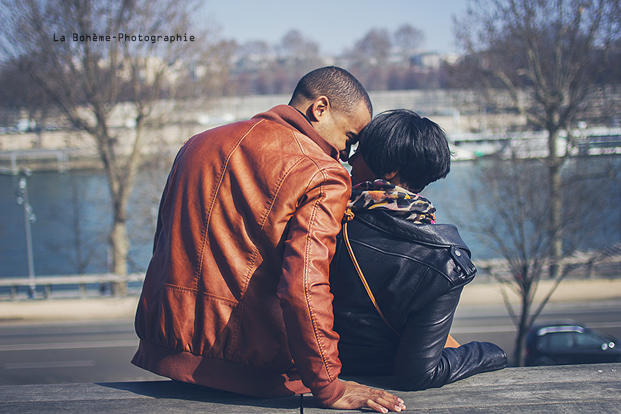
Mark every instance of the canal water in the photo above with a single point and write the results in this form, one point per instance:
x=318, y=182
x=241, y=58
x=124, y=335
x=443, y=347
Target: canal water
x=72, y=212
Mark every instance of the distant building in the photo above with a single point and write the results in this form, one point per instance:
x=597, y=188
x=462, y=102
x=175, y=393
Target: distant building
x=427, y=61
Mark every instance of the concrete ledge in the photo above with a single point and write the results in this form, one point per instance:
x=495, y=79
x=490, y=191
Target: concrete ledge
x=560, y=389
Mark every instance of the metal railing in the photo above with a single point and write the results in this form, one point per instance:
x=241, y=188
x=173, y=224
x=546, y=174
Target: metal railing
x=603, y=264
x=117, y=284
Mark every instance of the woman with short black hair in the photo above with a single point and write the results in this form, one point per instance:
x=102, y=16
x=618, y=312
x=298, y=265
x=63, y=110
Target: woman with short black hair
x=396, y=275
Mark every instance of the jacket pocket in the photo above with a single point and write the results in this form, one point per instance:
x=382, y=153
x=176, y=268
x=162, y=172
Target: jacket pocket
x=191, y=321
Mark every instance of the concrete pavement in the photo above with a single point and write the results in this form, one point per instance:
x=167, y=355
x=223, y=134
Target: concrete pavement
x=105, y=308
x=571, y=290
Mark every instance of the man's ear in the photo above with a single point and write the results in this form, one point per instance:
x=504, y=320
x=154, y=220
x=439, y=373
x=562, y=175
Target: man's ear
x=319, y=108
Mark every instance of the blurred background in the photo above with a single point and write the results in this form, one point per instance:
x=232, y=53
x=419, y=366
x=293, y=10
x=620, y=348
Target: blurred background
x=96, y=98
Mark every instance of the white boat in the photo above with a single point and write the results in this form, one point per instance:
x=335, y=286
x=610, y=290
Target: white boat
x=534, y=144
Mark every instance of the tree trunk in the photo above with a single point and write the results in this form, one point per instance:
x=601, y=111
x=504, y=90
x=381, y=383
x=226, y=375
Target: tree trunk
x=556, y=204
x=120, y=246
x=520, y=339
x=121, y=187
x=119, y=243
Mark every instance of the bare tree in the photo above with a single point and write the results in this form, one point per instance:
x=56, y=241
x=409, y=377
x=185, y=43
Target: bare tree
x=368, y=59
x=80, y=245
x=18, y=93
x=89, y=56
x=539, y=51
x=145, y=203
x=294, y=45
x=374, y=48
x=209, y=75
x=300, y=55
x=408, y=39
x=511, y=213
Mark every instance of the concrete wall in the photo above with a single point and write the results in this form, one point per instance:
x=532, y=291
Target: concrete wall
x=455, y=111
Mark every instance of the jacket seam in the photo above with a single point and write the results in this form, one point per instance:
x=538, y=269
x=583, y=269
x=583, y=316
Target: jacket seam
x=306, y=273
x=320, y=170
x=206, y=356
x=169, y=286
x=410, y=297
x=209, y=211
x=403, y=256
x=297, y=141
x=255, y=252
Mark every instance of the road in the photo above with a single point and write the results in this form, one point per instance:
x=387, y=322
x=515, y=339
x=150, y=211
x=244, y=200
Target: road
x=69, y=353
x=494, y=325
x=101, y=351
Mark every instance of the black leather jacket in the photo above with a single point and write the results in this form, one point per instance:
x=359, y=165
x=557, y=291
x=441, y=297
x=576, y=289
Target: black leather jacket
x=416, y=273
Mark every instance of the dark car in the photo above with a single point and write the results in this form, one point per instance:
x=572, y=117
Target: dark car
x=569, y=343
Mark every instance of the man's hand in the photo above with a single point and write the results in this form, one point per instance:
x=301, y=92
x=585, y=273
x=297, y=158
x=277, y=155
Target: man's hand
x=358, y=396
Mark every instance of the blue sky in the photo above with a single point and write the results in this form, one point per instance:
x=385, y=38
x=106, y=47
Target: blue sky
x=333, y=24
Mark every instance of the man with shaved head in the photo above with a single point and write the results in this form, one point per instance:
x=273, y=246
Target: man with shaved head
x=237, y=295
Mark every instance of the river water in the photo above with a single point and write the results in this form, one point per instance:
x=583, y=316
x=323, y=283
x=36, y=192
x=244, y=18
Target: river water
x=73, y=215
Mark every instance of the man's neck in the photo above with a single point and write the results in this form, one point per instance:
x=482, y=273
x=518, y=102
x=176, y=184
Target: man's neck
x=304, y=115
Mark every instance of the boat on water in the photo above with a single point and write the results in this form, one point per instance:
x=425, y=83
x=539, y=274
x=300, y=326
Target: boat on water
x=534, y=144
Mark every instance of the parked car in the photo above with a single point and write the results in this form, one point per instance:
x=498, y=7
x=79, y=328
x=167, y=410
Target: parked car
x=569, y=343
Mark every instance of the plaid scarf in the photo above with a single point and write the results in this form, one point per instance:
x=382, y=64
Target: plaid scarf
x=397, y=201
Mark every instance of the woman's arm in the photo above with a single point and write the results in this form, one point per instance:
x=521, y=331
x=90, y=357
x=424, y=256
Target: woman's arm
x=423, y=362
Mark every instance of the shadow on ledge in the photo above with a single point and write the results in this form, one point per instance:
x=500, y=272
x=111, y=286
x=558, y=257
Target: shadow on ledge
x=175, y=390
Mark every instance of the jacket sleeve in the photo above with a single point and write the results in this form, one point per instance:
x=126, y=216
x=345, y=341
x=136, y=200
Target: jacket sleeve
x=304, y=288
x=422, y=361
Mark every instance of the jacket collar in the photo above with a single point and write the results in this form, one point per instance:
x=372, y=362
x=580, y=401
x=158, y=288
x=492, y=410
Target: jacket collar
x=292, y=118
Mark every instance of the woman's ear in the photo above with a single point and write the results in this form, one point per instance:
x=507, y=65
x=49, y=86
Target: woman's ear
x=391, y=175
x=395, y=179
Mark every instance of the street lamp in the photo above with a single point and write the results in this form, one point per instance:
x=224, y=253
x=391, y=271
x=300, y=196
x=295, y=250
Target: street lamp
x=29, y=217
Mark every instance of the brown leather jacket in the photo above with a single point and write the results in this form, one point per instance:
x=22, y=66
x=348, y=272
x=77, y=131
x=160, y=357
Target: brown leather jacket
x=238, y=286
